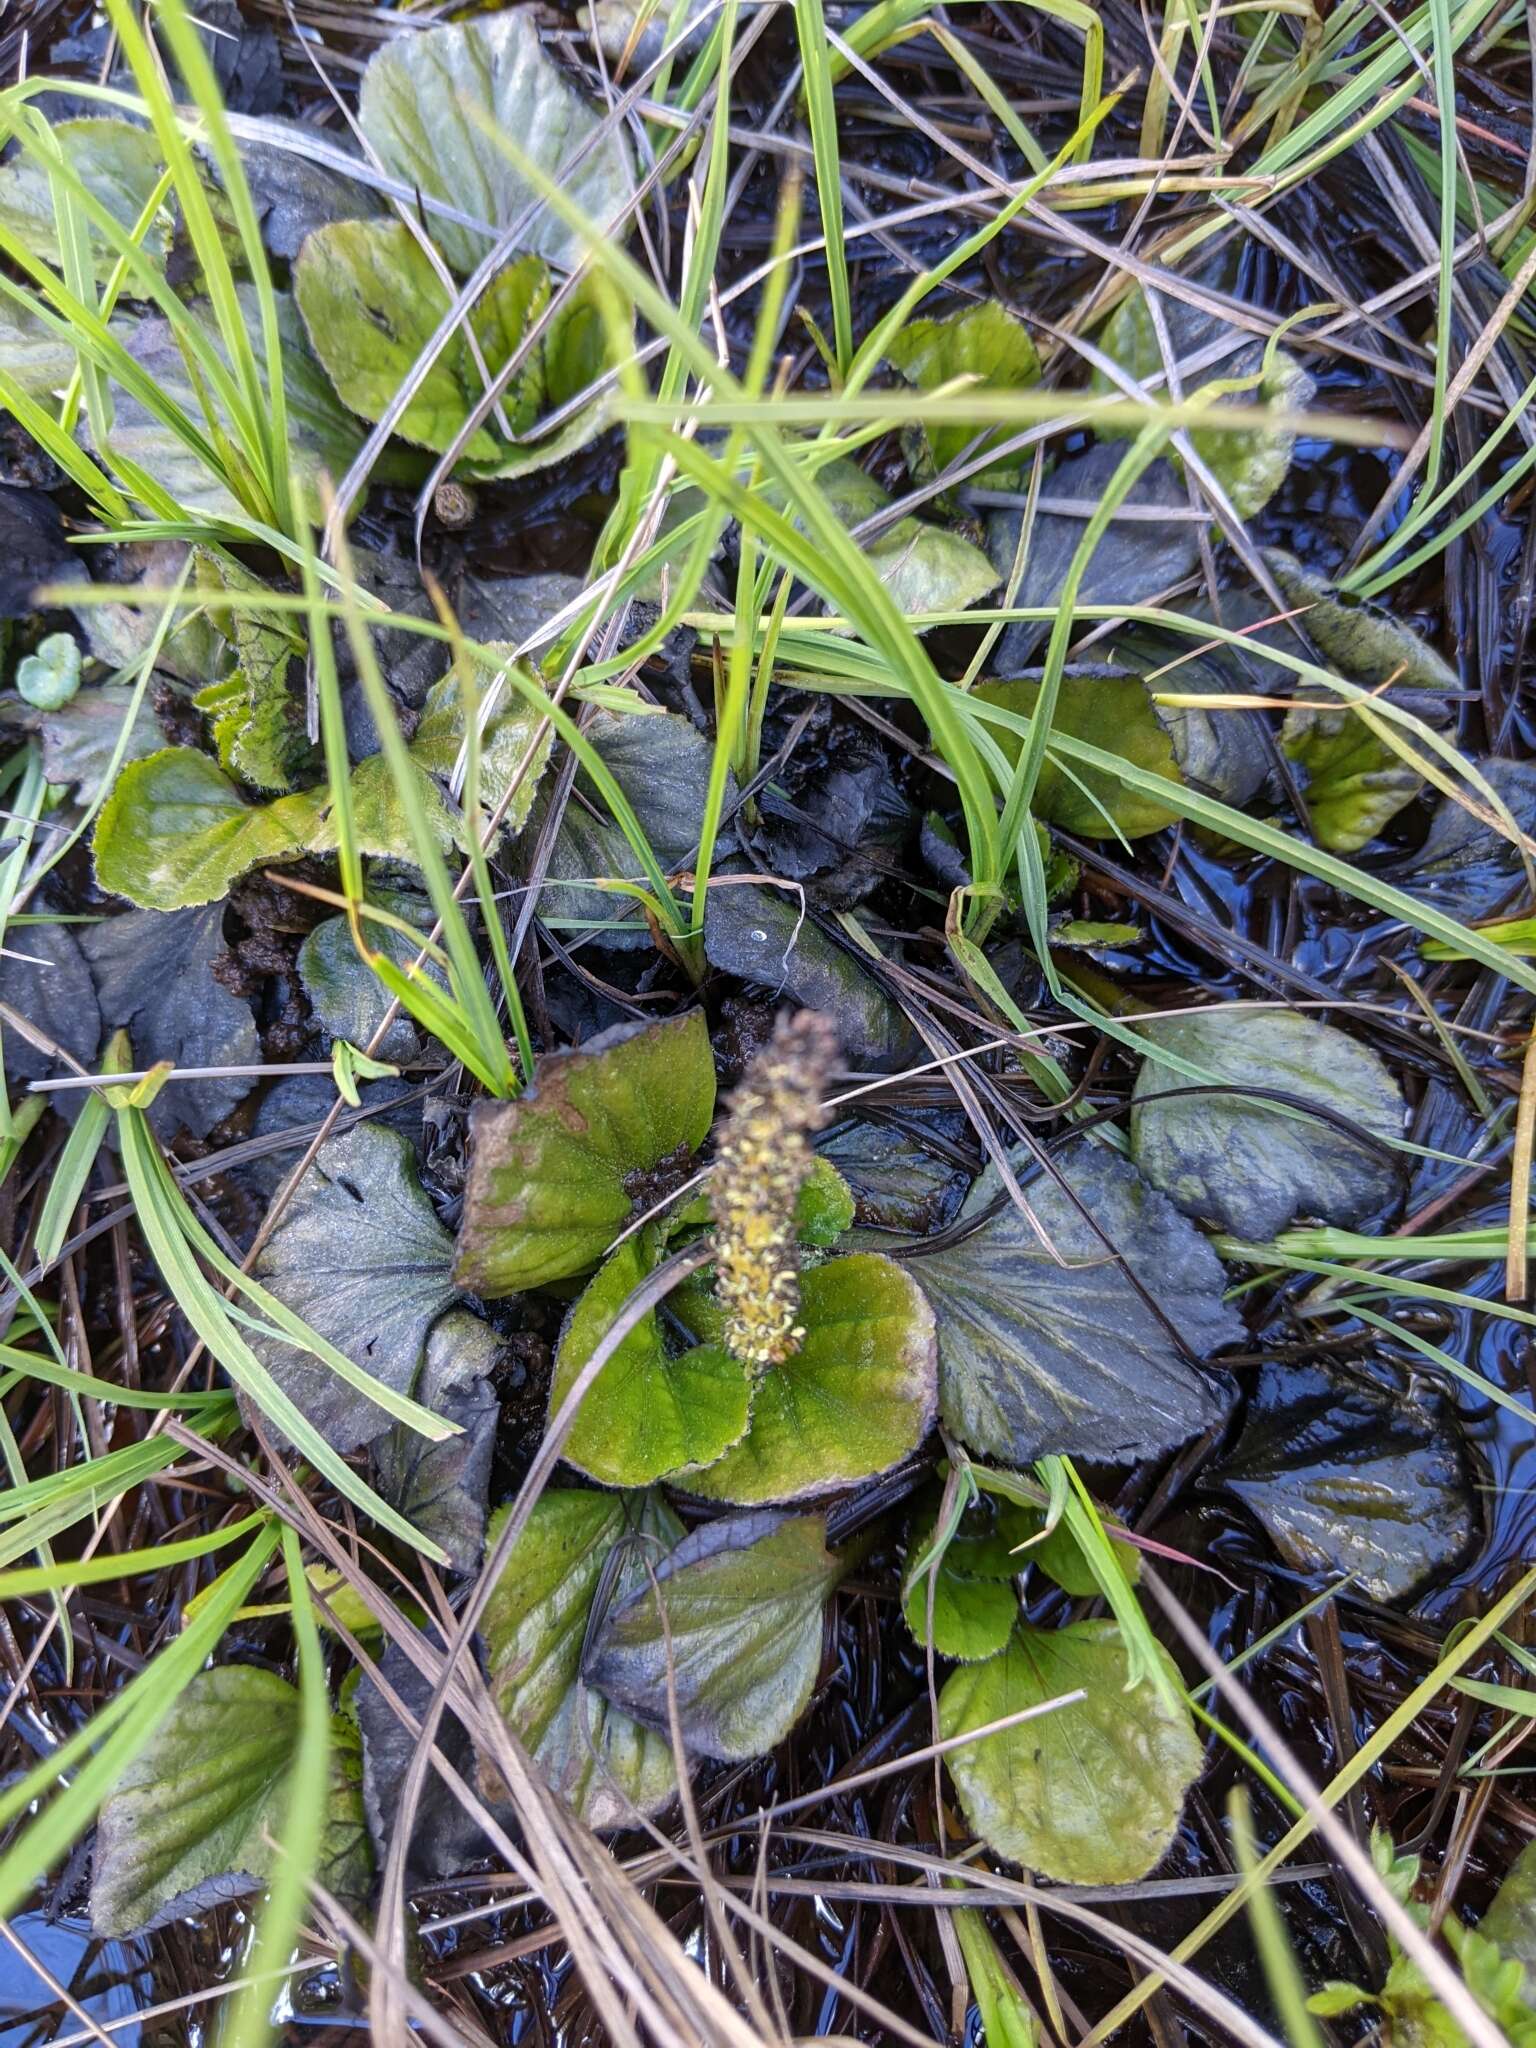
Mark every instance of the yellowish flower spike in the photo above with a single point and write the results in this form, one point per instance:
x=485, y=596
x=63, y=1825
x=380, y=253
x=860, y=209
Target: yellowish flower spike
x=762, y=1160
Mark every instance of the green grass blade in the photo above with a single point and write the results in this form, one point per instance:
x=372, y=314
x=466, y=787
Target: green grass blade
x=71, y=1174
x=122, y=1727
x=306, y=1803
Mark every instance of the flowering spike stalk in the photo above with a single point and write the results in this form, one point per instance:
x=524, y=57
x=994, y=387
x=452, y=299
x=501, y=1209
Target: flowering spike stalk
x=763, y=1157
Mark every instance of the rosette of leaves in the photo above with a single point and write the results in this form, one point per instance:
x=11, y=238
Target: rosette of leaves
x=1033, y=1348
x=179, y=829
x=374, y=293
x=562, y=1172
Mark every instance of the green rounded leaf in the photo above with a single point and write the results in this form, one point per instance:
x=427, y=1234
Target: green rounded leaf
x=974, y=1600
x=1115, y=713
x=737, y=1639
x=191, y=1821
x=925, y=568
x=554, y=1176
x=605, y=1765
x=432, y=104
x=985, y=342
x=1089, y=1793
x=972, y=1618
x=176, y=831
x=1250, y=1165
x=648, y=1412
x=1250, y=467
x=856, y=1398
x=1355, y=784
x=372, y=301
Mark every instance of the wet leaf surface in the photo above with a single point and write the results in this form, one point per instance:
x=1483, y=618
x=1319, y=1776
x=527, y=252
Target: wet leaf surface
x=444, y=1838
x=975, y=1601
x=741, y=1642
x=442, y=1489
x=323, y=437
x=548, y=1190
x=1251, y=1166
x=1367, y=642
x=1038, y=1357
x=154, y=977
x=294, y=195
x=855, y=1399
x=1137, y=559
x=191, y=1819
x=41, y=361
x=177, y=831
x=361, y=1256
x=1347, y=1474
x=1354, y=783
x=1090, y=1793
x=1464, y=866
x=765, y=937
x=1114, y=713
x=608, y=1767
x=897, y=1183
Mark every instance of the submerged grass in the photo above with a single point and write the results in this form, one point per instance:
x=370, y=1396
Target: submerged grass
x=756, y=379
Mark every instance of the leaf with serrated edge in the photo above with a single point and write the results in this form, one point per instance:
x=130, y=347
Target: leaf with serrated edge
x=603, y=1764
x=1089, y=1793
x=176, y=831
x=551, y=1174
x=203, y=1800
x=741, y=1641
